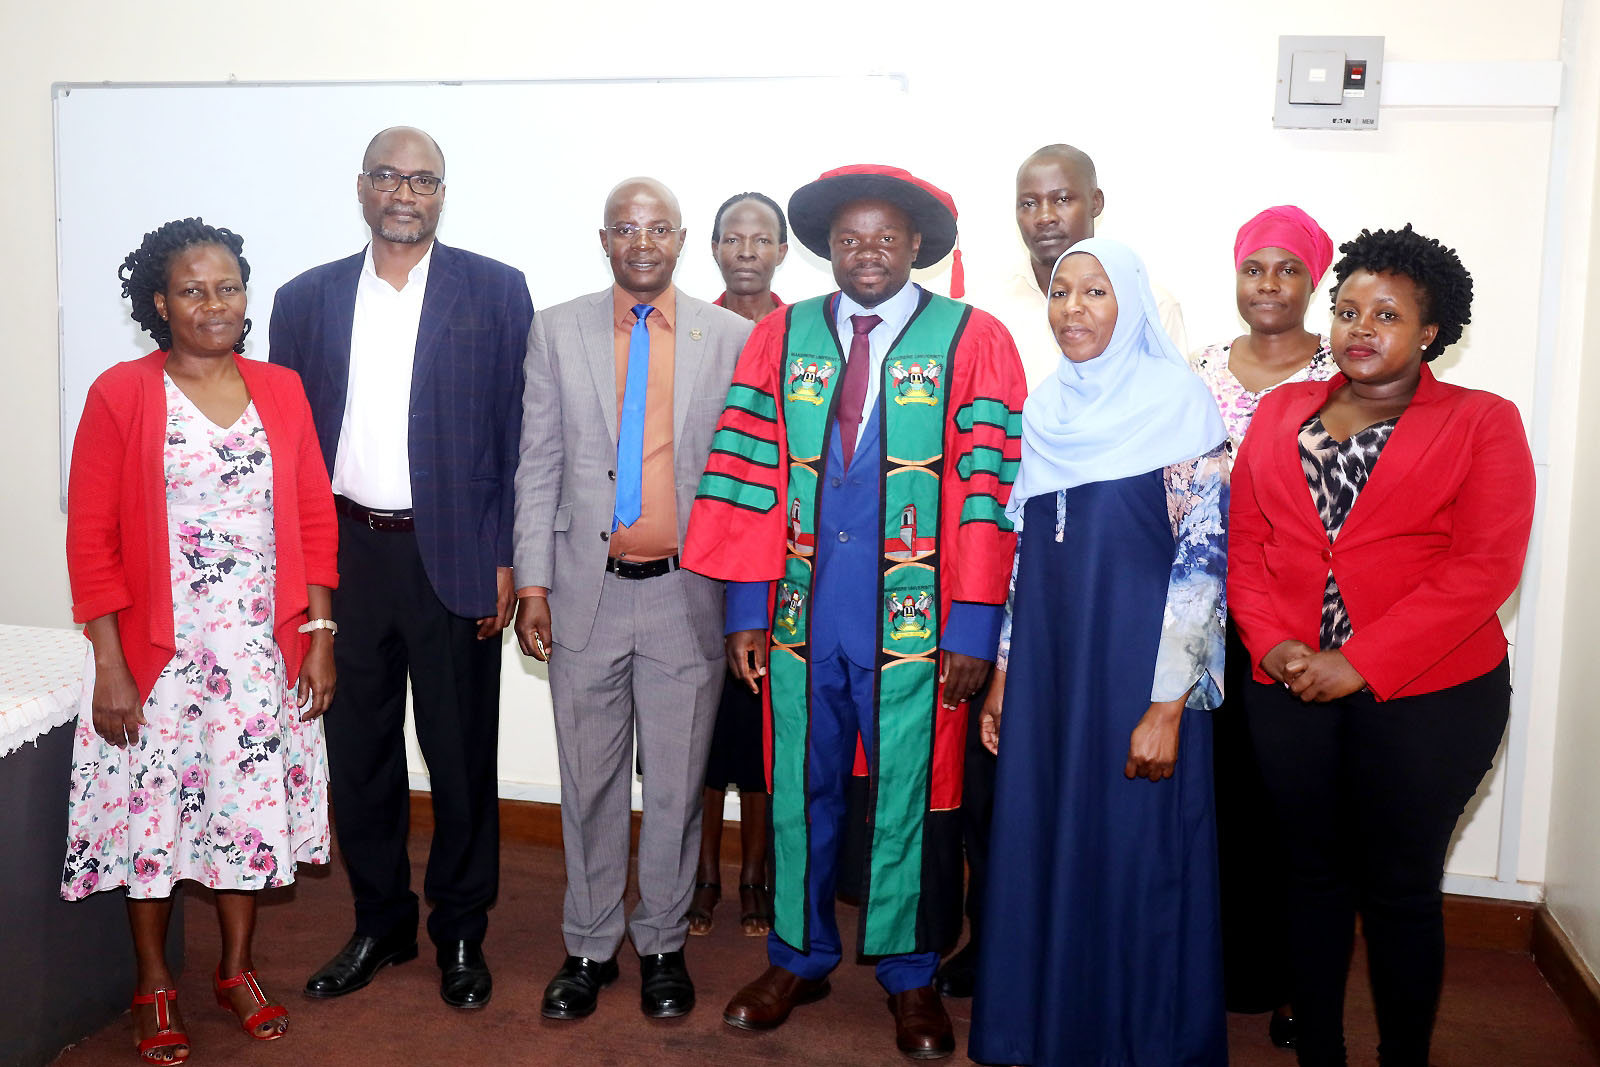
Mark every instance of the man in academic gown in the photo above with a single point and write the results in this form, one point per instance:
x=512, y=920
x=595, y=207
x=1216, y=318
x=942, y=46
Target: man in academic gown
x=863, y=461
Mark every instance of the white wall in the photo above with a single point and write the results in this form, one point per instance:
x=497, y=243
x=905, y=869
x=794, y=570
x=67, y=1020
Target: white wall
x=1573, y=870
x=1178, y=120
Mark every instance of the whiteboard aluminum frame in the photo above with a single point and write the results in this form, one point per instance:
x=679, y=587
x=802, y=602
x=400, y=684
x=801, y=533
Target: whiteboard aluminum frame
x=61, y=90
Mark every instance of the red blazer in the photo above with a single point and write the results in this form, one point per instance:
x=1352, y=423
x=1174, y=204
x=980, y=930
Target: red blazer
x=1431, y=549
x=118, y=546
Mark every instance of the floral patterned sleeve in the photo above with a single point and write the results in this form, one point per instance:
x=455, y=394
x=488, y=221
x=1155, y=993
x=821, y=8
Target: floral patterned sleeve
x=1189, y=659
x=1003, y=655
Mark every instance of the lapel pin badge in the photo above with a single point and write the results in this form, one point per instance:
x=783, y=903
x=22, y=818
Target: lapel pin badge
x=695, y=334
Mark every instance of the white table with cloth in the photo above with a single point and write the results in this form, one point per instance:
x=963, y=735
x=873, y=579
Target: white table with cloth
x=41, y=672
x=65, y=969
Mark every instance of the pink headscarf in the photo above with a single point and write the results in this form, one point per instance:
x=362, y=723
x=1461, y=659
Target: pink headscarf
x=1288, y=228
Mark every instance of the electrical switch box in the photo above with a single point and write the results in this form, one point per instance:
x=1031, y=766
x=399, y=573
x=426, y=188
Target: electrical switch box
x=1316, y=77
x=1328, y=83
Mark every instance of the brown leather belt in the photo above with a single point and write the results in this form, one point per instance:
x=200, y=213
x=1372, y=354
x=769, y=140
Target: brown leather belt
x=381, y=521
x=653, y=568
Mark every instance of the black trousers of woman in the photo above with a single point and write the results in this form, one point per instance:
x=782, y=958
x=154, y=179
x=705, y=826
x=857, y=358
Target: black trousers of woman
x=1368, y=795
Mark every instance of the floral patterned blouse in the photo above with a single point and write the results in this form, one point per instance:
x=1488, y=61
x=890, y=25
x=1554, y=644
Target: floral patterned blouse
x=1189, y=659
x=1238, y=404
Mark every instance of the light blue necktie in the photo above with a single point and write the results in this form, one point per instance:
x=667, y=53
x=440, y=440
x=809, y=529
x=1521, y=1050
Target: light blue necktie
x=630, y=427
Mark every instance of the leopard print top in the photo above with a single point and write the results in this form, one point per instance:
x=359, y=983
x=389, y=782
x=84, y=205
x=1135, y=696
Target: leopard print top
x=1337, y=471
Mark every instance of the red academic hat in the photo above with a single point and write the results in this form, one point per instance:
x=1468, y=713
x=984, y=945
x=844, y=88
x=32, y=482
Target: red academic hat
x=932, y=211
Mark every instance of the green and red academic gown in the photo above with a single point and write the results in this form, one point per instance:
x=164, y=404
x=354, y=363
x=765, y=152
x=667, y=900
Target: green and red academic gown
x=949, y=420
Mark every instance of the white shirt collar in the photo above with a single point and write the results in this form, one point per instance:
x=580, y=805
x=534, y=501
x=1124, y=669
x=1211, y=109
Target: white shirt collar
x=418, y=275
x=895, y=311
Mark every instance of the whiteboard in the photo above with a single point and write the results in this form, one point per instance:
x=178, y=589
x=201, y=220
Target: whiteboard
x=528, y=167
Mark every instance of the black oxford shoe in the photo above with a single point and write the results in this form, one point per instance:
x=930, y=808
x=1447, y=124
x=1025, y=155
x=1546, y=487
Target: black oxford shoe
x=464, y=980
x=958, y=977
x=358, y=961
x=1282, y=1030
x=575, y=990
x=665, y=991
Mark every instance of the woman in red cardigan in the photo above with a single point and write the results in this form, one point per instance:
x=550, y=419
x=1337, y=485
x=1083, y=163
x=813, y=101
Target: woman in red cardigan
x=1379, y=521
x=201, y=547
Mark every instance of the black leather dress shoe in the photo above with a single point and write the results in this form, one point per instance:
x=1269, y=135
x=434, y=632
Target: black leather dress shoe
x=575, y=989
x=1282, y=1030
x=665, y=991
x=358, y=961
x=958, y=976
x=464, y=980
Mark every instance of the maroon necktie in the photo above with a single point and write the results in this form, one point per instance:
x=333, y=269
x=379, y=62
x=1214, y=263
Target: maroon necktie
x=853, y=390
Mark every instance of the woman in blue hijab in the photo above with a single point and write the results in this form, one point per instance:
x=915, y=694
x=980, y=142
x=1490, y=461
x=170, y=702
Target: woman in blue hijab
x=1104, y=943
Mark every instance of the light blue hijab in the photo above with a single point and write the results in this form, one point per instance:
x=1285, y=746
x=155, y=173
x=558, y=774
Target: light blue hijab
x=1134, y=408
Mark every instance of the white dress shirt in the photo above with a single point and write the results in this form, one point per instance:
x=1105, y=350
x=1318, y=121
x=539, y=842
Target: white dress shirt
x=373, y=464
x=895, y=313
x=1023, y=308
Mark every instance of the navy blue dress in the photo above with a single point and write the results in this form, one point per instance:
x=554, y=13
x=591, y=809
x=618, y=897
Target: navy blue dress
x=1102, y=939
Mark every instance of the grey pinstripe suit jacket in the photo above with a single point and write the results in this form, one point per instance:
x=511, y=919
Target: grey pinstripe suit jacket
x=565, y=492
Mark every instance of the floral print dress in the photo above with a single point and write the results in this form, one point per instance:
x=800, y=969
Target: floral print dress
x=226, y=786
x=1238, y=404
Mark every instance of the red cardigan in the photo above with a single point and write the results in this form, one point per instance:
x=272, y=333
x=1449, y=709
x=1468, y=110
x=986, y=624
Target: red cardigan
x=1432, y=548
x=118, y=546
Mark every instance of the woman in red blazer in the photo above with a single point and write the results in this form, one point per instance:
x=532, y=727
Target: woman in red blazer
x=201, y=551
x=1379, y=520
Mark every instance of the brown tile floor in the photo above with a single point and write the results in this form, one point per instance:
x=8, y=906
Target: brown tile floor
x=1497, y=1010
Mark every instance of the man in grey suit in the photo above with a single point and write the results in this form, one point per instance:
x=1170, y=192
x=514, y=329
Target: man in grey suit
x=623, y=391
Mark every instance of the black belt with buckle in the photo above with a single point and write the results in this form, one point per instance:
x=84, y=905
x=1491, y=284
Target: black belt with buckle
x=653, y=568
x=381, y=521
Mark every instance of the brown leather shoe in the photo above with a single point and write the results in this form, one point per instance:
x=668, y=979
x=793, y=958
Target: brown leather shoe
x=921, y=1027
x=767, y=1002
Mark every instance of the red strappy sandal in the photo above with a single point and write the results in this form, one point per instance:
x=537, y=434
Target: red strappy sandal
x=264, y=1012
x=165, y=1036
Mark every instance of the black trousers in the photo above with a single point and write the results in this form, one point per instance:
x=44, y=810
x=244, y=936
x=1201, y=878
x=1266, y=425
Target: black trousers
x=977, y=806
x=391, y=623
x=1369, y=794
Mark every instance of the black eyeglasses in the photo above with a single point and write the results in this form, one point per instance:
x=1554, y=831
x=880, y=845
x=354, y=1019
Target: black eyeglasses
x=628, y=231
x=387, y=181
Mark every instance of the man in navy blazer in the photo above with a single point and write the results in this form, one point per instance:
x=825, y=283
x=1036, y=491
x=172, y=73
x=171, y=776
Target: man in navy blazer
x=411, y=355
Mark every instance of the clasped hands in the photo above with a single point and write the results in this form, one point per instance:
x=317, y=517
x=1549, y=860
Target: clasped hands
x=1311, y=675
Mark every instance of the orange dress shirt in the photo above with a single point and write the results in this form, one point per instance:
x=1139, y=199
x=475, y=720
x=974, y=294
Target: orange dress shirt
x=655, y=535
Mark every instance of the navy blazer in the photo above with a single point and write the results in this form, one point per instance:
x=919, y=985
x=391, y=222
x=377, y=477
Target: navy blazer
x=466, y=403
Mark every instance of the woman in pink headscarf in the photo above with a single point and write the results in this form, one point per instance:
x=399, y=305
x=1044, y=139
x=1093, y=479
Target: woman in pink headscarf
x=1279, y=257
